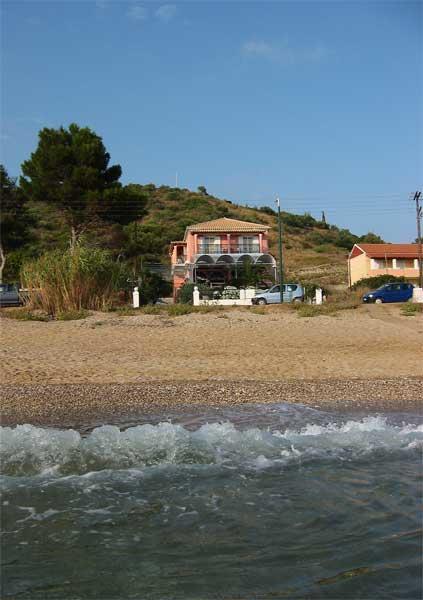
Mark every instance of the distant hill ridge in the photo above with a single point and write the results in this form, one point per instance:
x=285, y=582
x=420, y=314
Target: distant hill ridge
x=313, y=250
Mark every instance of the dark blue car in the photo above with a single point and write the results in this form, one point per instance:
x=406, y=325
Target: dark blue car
x=390, y=292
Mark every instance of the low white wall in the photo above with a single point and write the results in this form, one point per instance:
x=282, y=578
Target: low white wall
x=233, y=302
x=417, y=295
x=243, y=300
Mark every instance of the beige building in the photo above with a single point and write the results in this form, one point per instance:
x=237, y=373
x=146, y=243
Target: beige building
x=371, y=260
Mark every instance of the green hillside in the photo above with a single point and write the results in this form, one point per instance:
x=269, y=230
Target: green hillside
x=313, y=250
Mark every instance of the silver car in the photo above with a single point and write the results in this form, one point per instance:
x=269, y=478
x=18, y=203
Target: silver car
x=292, y=292
x=9, y=295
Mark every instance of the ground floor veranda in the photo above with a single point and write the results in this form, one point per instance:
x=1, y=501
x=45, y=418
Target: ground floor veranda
x=220, y=274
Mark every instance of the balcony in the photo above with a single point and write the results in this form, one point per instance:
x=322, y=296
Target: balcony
x=228, y=249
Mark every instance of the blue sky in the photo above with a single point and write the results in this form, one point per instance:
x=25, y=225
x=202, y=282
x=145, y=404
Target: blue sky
x=319, y=102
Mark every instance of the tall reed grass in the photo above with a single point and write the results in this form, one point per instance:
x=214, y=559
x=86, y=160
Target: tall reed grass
x=86, y=278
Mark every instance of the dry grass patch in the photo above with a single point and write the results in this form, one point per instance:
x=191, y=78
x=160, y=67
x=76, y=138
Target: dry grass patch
x=24, y=314
x=411, y=310
x=72, y=315
x=170, y=310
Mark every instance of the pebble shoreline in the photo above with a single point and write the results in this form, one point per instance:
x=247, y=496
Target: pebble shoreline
x=76, y=405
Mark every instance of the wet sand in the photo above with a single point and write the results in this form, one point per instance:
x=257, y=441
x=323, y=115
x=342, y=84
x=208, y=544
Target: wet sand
x=82, y=405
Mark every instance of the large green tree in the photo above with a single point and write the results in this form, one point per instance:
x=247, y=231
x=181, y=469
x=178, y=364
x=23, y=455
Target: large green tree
x=14, y=218
x=70, y=169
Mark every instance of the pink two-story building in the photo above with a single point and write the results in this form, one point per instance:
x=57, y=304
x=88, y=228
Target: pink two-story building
x=213, y=252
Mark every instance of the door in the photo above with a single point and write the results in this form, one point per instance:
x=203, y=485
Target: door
x=406, y=292
x=392, y=293
x=273, y=295
x=210, y=244
x=288, y=292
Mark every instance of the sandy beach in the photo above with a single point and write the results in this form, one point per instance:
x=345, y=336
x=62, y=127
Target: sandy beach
x=59, y=372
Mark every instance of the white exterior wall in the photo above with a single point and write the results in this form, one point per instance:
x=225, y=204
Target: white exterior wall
x=243, y=302
x=245, y=297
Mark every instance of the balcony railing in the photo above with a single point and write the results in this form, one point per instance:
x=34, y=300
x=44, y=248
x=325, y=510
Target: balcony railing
x=228, y=249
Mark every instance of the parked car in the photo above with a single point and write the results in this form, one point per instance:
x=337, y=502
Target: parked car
x=292, y=292
x=9, y=295
x=390, y=292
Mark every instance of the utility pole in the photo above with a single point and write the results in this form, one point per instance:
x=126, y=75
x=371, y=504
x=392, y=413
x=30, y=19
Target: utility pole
x=419, y=212
x=278, y=202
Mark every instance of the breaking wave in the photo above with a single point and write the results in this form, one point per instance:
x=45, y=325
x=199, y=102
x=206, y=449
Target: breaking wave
x=29, y=450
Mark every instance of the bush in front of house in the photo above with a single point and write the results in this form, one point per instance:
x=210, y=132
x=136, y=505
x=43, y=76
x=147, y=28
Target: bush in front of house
x=152, y=286
x=186, y=291
x=310, y=289
x=372, y=283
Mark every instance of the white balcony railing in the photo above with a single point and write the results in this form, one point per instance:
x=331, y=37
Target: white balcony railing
x=228, y=249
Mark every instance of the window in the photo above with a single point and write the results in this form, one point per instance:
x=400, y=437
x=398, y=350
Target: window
x=275, y=289
x=290, y=288
x=377, y=263
x=209, y=244
x=249, y=243
x=400, y=263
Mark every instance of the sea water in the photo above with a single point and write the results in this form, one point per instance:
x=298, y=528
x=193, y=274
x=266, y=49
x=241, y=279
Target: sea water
x=261, y=502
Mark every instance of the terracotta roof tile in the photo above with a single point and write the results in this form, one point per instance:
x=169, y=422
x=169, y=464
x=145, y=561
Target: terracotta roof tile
x=390, y=250
x=225, y=225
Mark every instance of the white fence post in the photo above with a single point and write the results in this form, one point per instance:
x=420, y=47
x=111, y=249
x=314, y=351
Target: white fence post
x=196, y=297
x=319, y=296
x=136, y=298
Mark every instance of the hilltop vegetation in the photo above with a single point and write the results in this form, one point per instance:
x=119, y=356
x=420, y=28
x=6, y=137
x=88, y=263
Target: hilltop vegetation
x=70, y=195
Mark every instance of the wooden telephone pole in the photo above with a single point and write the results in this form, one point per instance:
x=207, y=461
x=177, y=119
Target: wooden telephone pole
x=278, y=202
x=419, y=212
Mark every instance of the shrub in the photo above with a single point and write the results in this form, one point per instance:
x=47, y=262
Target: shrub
x=186, y=291
x=86, y=278
x=72, y=315
x=151, y=309
x=410, y=310
x=305, y=221
x=123, y=311
x=310, y=289
x=178, y=310
x=375, y=282
x=268, y=210
x=23, y=314
x=152, y=286
x=209, y=308
x=371, y=238
x=308, y=310
x=324, y=249
x=329, y=308
x=258, y=310
x=319, y=237
x=172, y=310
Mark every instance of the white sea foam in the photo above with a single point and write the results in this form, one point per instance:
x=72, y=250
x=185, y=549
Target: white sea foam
x=27, y=450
